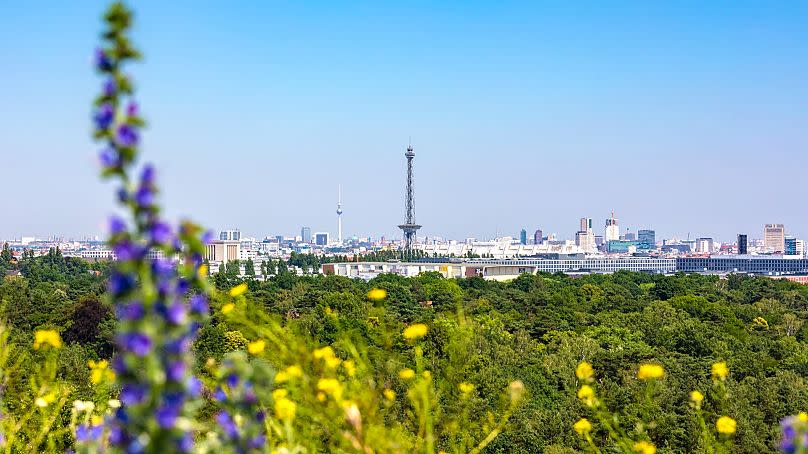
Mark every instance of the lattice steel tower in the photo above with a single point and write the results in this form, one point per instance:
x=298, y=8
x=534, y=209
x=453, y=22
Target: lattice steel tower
x=409, y=227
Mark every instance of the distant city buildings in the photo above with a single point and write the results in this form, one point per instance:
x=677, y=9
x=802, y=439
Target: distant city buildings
x=612, y=232
x=774, y=238
x=538, y=237
x=321, y=238
x=305, y=234
x=584, y=237
x=230, y=235
x=646, y=239
x=523, y=236
x=742, y=244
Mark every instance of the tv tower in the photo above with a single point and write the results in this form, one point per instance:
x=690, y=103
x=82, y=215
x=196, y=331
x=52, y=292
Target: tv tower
x=409, y=227
x=339, y=214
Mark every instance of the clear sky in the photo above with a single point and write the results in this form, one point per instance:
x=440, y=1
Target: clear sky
x=685, y=116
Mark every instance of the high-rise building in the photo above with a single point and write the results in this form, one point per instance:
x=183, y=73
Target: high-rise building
x=790, y=245
x=742, y=244
x=230, y=235
x=305, y=234
x=523, y=237
x=585, y=224
x=321, y=238
x=774, y=236
x=646, y=239
x=612, y=229
x=704, y=245
x=538, y=237
x=585, y=238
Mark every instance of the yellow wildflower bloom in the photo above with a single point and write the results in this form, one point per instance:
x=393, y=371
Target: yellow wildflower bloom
x=725, y=425
x=696, y=397
x=330, y=386
x=377, y=294
x=583, y=426
x=465, y=387
x=427, y=374
x=389, y=394
x=279, y=393
x=406, y=374
x=45, y=400
x=802, y=416
x=97, y=420
x=350, y=367
x=587, y=395
x=228, y=308
x=584, y=371
x=321, y=396
x=650, y=371
x=99, y=371
x=516, y=389
x=285, y=409
x=202, y=271
x=325, y=352
x=238, y=290
x=49, y=337
x=415, y=331
x=256, y=347
x=293, y=371
x=644, y=447
x=720, y=371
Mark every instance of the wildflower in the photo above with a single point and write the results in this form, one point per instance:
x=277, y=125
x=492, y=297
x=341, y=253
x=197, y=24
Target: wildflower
x=406, y=374
x=45, y=400
x=49, y=337
x=103, y=116
x=725, y=425
x=321, y=396
x=228, y=308
x=82, y=405
x=202, y=272
x=99, y=371
x=427, y=375
x=256, y=347
x=720, y=371
x=696, y=397
x=465, y=387
x=238, y=290
x=198, y=304
x=327, y=355
x=285, y=409
x=584, y=371
x=109, y=159
x=587, y=395
x=137, y=343
x=114, y=403
x=644, y=447
x=102, y=61
x=350, y=367
x=377, y=294
x=650, y=371
x=793, y=433
x=110, y=87
x=415, y=331
x=293, y=371
x=330, y=386
x=353, y=416
x=126, y=136
x=583, y=426
x=389, y=394
x=279, y=393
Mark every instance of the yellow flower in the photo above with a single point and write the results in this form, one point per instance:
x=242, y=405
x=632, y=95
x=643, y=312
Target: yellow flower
x=720, y=371
x=389, y=394
x=279, y=393
x=321, y=396
x=696, y=397
x=350, y=367
x=325, y=352
x=228, y=308
x=466, y=387
x=406, y=374
x=96, y=420
x=584, y=371
x=285, y=409
x=583, y=426
x=49, y=337
x=45, y=400
x=587, y=395
x=516, y=390
x=293, y=371
x=725, y=425
x=330, y=386
x=256, y=347
x=415, y=331
x=650, y=371
x=99, y=371
x=202, y=271
x=238, y=290
x=377, y=294
x=802, y=416
x=427, y=374
x=644, y=447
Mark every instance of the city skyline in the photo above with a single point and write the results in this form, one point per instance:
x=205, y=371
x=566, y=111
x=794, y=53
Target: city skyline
x=551, y=114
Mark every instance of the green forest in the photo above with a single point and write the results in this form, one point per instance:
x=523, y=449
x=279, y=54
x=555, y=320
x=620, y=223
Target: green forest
x=535, y=329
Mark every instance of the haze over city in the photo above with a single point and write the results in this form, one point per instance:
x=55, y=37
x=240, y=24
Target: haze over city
x=682, y=118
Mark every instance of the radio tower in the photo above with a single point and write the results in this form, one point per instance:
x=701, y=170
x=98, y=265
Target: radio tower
x=409, y=227
x=339, y=214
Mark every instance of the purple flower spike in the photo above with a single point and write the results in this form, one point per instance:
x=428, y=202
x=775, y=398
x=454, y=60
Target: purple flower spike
x=132, y=394
x=160, y=233
x=147, y=176
x=116, y=225
x=131, y=311
x=109, y=158
x=110, y=87
x=227, y=424
x=194, y=386
x=82, y=433
x=198, y=304
x=103, y=116
x=137, y=343
x=132, y=109
x=176, y=371
x=126, y=136
x=166, y=416
x=144, y=197
x=207, y=237
x=176, y=313
x=186, y=443
x=102, y=61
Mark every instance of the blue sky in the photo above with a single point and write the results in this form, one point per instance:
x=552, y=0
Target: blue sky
x=685, y=117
